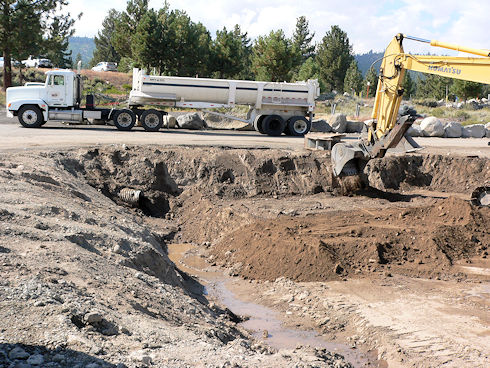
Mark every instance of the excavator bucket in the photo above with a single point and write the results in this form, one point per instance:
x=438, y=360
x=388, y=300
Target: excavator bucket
x=348, y=159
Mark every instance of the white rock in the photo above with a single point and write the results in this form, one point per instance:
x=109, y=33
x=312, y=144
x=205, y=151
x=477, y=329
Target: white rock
x=487, y=130
x=414, y=131
x=191, y=121
x=474, y=131
x=338, y=122
x=432, y=127
x=93, y=317
x=169, y=121
x=453, y=130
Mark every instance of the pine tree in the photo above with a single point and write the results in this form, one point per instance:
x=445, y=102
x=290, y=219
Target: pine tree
x=309, y=70
x=466, y=89
x=57, y=41
x=229, y=53
x=125, y=26
x=433, y=86
x=271, y=59
x=353, y=78
x=371, y=78
x=408, y=86
x=334, y=58
x=302, y=41
x=147, y=41
x=104, y=48
x=22, y=24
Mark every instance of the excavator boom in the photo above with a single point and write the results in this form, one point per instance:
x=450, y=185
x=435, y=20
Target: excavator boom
x=387, y=129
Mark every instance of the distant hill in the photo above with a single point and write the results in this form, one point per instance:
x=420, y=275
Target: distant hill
x=364, y=61
x=83, y=45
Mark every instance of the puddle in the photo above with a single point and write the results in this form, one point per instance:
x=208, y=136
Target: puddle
x=264, y=323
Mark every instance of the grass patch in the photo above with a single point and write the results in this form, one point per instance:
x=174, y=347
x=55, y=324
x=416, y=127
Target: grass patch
x=2, y=98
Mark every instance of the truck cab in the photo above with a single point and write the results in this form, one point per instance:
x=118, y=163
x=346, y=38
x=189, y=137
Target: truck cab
x=34, y=102
x=60, y=88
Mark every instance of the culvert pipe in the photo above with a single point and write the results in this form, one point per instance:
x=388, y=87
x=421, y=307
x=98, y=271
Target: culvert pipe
x=131, y=196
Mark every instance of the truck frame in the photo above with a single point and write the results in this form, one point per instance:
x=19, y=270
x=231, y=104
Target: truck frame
x=274, y=108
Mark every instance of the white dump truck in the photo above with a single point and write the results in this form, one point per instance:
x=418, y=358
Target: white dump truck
x=274, y=108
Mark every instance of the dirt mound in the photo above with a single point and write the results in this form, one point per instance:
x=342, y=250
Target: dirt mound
x=423, y=241
x=437, y=172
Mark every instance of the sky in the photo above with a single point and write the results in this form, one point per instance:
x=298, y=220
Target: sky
x=369, y=24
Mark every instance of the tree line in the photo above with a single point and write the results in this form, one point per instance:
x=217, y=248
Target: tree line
x=169, y=42
x=34, y=27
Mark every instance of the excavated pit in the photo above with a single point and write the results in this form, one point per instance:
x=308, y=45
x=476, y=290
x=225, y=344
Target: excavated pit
x=270, y=213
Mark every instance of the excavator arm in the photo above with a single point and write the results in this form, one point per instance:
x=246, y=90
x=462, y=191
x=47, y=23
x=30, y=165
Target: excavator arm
x=387, y=129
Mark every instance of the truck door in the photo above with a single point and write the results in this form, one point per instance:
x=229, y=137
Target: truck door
x=56, y=90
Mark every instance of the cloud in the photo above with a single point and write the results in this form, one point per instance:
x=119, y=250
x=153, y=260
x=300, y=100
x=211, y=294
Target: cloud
x=370, y=24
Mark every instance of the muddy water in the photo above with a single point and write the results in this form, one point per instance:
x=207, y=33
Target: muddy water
x=264, y=323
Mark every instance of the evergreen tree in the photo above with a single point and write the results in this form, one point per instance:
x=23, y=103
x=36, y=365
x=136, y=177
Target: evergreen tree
x=334, y=58
x=466, y=89
x=371, y=78
x=271, y=59
x=230, y=54
x=433, y=86
x=57, y=41
x=147, y=41
x=125, y=26
x=104, y=48
x=353, y=78
x=188, y=45
x=302, y=41
x=22, y=24
x=309, y=70
x=408, y=86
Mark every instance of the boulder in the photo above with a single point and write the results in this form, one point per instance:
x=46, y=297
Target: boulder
x=487, y=130
x=190, y=121
x=432, y=127
x=414, y=131
x=453, y=130
x=407, y=110
x=169, y=121
x=338, y=122
x=320, y=126
x=474, y=131
x=355, y=127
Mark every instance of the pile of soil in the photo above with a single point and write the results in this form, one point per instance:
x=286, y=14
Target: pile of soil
x=421, y=241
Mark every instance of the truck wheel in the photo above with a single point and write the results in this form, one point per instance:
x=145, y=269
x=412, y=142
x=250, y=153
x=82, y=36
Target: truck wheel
x=258, y=123
x=124, y=119
x=151, y=120
x=297, y=126
x=30, y=116
x=273, y=125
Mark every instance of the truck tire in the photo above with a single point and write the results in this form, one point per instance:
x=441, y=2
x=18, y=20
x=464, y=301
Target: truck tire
x=151, y=120
x=258, y=123
x=297, y=126
x=273, y=125
x=30, y=116
x=124, y=119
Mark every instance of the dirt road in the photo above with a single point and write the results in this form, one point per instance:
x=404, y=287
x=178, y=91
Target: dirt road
x=399, y=272
x=63, y=136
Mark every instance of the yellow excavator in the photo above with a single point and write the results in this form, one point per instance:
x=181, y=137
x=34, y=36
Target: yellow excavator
x=387, y=129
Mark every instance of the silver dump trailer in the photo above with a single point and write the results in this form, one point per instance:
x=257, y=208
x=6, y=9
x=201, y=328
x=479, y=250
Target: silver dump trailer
x=274, y=108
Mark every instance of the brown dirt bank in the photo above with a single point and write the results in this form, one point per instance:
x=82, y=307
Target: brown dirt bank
x=422, y=241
